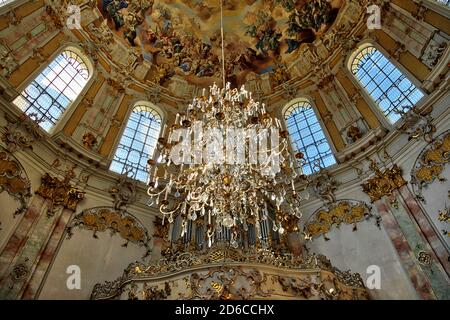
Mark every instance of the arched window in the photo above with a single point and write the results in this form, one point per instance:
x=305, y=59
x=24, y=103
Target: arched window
x=4, y=2
x=308, y=137
x=47, y=97
x=392, y=91
x=445, y=2
x=138, y=142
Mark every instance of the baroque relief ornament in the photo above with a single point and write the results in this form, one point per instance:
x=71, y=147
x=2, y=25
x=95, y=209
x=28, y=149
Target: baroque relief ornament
x=444, y=216
x=417, y=124
x=21, y=133
x=20, y=273
x=102, y=219
x=341, y=212
x=124, y=192
x=430, y=164
x=59, y=193
x=233, y=274
x=384, y=183
x=89, y=140
x=14, y=180
x=324, y=185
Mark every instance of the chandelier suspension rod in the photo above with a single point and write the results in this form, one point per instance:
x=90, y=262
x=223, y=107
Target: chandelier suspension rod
x=223, y=46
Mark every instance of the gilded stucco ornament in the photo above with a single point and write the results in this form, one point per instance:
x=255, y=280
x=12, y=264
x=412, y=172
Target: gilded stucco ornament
x=124, y=192
x=225, y=283
x=384, y=183
x=430, y=164
x=101, y=219
x=227, y=273
x=60, y=193
x=323, y=285
x=102, y=35
x=160, y=230
x=354, y=133
x=150, y=292
x=54, y=15
x=434, y=50
x=323, y=185
x=444, y=216
x=289, y=91
x=279, y=75
x=417, y=124
x=21, y=133
x=154, y=95
x=89, y=140
x=14, y=181
x=20, y=272
x=8, y=63
x=340, y=212
x=424, y=258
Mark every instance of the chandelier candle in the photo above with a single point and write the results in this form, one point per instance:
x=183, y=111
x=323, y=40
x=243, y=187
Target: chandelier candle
x=223, y=169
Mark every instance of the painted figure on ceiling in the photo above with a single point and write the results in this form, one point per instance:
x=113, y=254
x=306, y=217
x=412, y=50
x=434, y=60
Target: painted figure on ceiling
x=181, y=37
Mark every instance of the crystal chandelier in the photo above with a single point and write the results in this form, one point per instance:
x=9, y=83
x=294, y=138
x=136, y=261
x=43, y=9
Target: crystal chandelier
x=224, y=171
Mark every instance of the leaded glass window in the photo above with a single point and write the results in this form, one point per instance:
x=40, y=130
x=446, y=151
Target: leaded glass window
x=308, y=137
x=392, y=91
x=444, y=2
x=47, y=97
x=4, y=2
x=137, y=143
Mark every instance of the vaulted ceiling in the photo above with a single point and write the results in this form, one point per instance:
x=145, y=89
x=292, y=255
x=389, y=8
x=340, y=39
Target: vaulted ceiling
x=182, y=37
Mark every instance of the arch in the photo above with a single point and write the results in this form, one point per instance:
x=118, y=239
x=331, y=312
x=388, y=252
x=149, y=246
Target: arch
x=307, y=135
x=390, y=88
x=55, y=88
x=443, y=2
x=5, y=2
x=138, y=141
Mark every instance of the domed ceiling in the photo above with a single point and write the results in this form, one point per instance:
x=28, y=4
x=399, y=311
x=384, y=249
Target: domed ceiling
x=182, y=37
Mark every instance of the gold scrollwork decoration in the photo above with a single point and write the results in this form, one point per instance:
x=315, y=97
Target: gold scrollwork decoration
x=228, y=283
x=384, y=183
x=160, y=230
x=431, y=164
x=344, y=211
x=60, y=193
x=89, y=140
x=20, y=133
x=101, y=219
x=236, y=276
x=444, y=216
x=150, y=292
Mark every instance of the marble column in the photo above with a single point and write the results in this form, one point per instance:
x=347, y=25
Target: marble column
x=419, y=281
x=412, y=244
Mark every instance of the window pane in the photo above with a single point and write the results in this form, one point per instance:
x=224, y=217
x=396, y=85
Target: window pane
x=3, y=2
x=48, y=96
x=444, y=2
x=392, y=91
x=308, y=137
x=138, y=143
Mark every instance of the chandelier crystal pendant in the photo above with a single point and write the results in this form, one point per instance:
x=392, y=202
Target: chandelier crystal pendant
x=226, y=179
x=227, y=162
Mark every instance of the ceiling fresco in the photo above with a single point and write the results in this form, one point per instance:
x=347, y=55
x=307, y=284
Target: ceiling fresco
x=182, y=37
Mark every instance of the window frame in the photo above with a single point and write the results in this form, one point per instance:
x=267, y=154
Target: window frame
x=70, y=109
x=136, y=103
x=365, y=94
x=310, y=101
x=11, y=5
